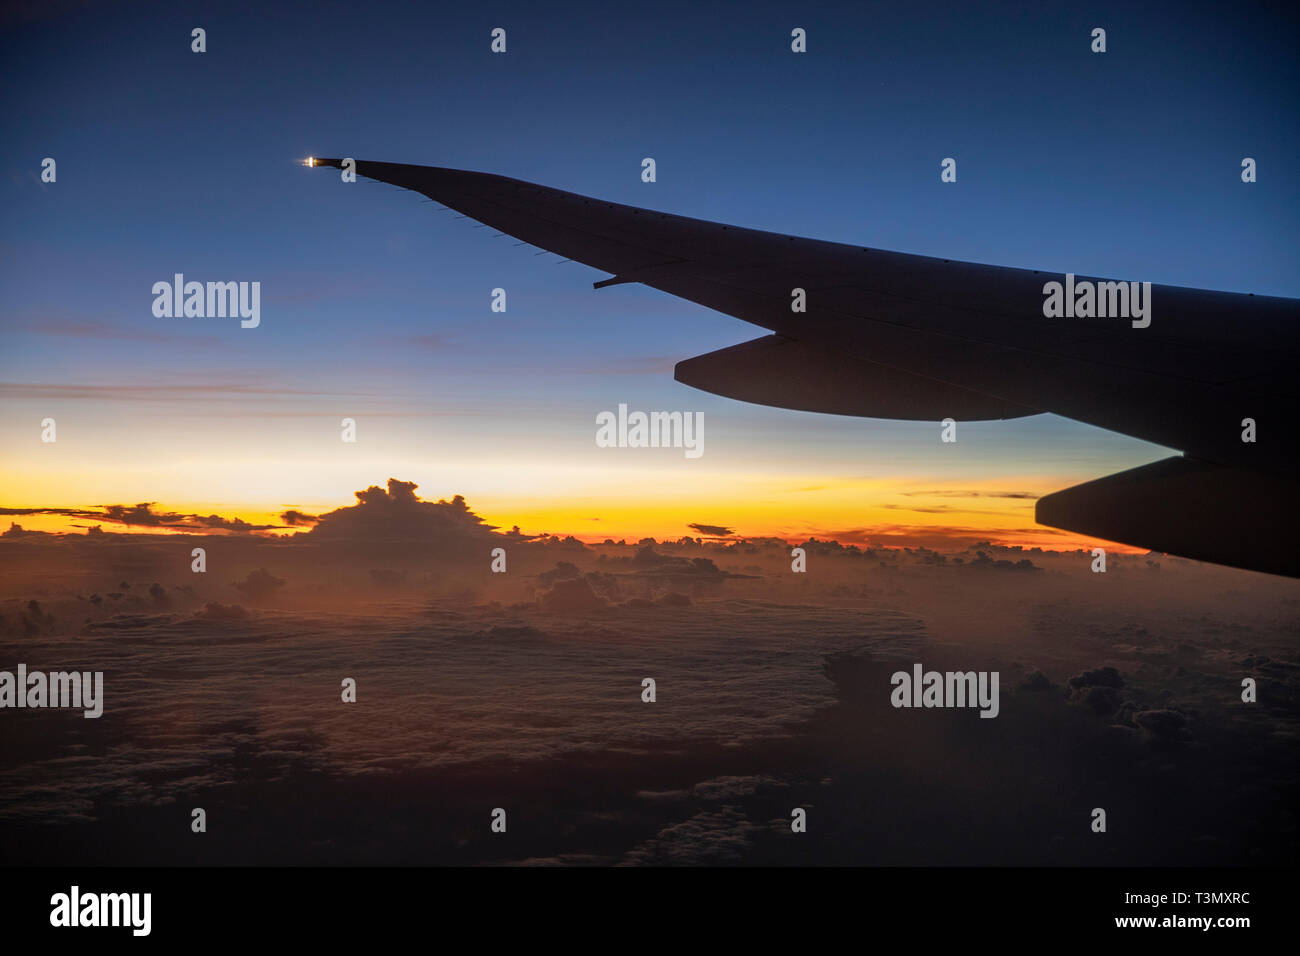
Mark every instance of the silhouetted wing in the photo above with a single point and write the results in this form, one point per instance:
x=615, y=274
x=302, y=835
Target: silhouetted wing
x=886, y=334
x=787, y=373
x=1187, y=507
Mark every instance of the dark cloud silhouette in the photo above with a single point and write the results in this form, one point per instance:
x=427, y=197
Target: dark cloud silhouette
x=224, y=524
x=962, y=493
x=17, y=531
x=712, y=530
x=1101, y=677
x=397, y=521
x=982, y=560
x=1036, y=681
x=563, y=571
x=259, y=585
x=1163, y=726
x=142, y=515
x=648, y=563
x=1100, y=700
x=294, y=518
x=69, y=512
x=1098, y=690
x=571, y=595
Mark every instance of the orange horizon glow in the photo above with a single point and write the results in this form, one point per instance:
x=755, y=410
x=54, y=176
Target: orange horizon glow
x=871, y=526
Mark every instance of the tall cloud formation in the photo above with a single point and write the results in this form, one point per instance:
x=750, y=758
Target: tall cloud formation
x=397, y=522
x=394, y=515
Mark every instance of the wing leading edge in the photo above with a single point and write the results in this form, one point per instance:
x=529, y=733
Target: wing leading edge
x=893, y=335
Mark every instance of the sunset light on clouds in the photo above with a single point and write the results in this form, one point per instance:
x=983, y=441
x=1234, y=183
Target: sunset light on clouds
x=848, y=436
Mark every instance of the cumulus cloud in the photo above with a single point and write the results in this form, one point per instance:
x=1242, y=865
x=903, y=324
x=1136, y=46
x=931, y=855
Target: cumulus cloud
x=982, y=560
x=1098, y=690
x=571, y=595
x=259, y=584
x=16, y=531
x=396, y=520
x=1162, y=726
x=395, y=514
x=646, y=562
x=1100, y=677
x=731, y=788
x=714, y=837
x=759, y=682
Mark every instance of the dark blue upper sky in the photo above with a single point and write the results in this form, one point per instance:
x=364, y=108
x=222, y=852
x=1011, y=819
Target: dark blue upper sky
x=1124, y=164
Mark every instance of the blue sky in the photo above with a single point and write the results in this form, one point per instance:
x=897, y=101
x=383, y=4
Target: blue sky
x=1125, y=163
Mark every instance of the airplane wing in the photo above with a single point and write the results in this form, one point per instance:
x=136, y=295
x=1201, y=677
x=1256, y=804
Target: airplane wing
x=892, y=335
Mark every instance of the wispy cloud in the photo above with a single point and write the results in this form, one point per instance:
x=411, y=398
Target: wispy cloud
x=971, y=493
x=204, y=391
x=63, y=327
x=712, y=530
x=143, y=515
x=941, y=510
